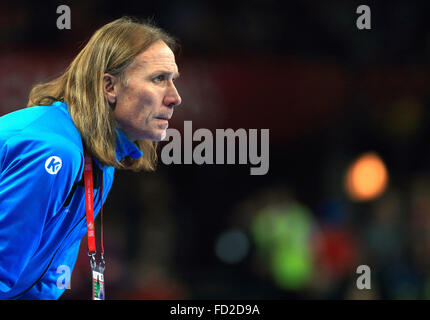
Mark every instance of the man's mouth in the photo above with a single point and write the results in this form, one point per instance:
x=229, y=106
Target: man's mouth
x=167, y=118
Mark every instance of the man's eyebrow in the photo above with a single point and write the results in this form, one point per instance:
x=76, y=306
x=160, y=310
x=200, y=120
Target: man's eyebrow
x=176, y=75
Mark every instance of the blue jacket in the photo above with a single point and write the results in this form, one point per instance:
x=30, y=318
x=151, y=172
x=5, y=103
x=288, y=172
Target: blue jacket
x=42, y=206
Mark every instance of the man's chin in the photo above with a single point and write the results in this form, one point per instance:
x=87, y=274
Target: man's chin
x=163, y=135
x=157, y=136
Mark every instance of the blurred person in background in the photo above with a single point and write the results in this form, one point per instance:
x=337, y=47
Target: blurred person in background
x=113, y=103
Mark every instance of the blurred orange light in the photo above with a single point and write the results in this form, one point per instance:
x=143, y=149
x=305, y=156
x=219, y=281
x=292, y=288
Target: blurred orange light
x=366, y=178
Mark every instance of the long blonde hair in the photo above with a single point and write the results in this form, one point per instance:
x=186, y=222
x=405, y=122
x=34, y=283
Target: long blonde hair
x=111, y=49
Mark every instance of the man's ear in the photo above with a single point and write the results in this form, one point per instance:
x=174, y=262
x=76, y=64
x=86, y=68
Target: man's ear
x=110, y=87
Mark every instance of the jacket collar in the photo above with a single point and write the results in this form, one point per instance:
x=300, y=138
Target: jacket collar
x=125, y=147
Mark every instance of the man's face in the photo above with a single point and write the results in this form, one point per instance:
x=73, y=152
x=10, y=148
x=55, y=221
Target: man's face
x=145, y=103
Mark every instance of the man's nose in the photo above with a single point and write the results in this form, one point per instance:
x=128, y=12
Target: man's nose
x=173, y=99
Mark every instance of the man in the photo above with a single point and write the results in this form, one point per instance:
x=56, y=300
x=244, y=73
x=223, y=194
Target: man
x=113, y=103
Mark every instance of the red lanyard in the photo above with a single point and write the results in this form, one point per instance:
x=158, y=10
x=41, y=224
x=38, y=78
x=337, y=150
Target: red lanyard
x=97, y=269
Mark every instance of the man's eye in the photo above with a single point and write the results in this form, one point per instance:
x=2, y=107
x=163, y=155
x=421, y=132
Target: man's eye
x=160, y=78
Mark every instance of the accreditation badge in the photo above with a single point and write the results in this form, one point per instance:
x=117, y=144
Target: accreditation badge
x=98, y=284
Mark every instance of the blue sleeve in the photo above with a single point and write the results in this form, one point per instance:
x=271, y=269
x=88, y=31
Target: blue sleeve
x=35, y=179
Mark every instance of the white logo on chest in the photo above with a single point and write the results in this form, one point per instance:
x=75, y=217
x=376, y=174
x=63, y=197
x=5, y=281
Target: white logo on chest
x=53, y=165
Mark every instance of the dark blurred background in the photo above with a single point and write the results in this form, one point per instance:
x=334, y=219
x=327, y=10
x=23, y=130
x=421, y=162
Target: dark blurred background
x=348, y=183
